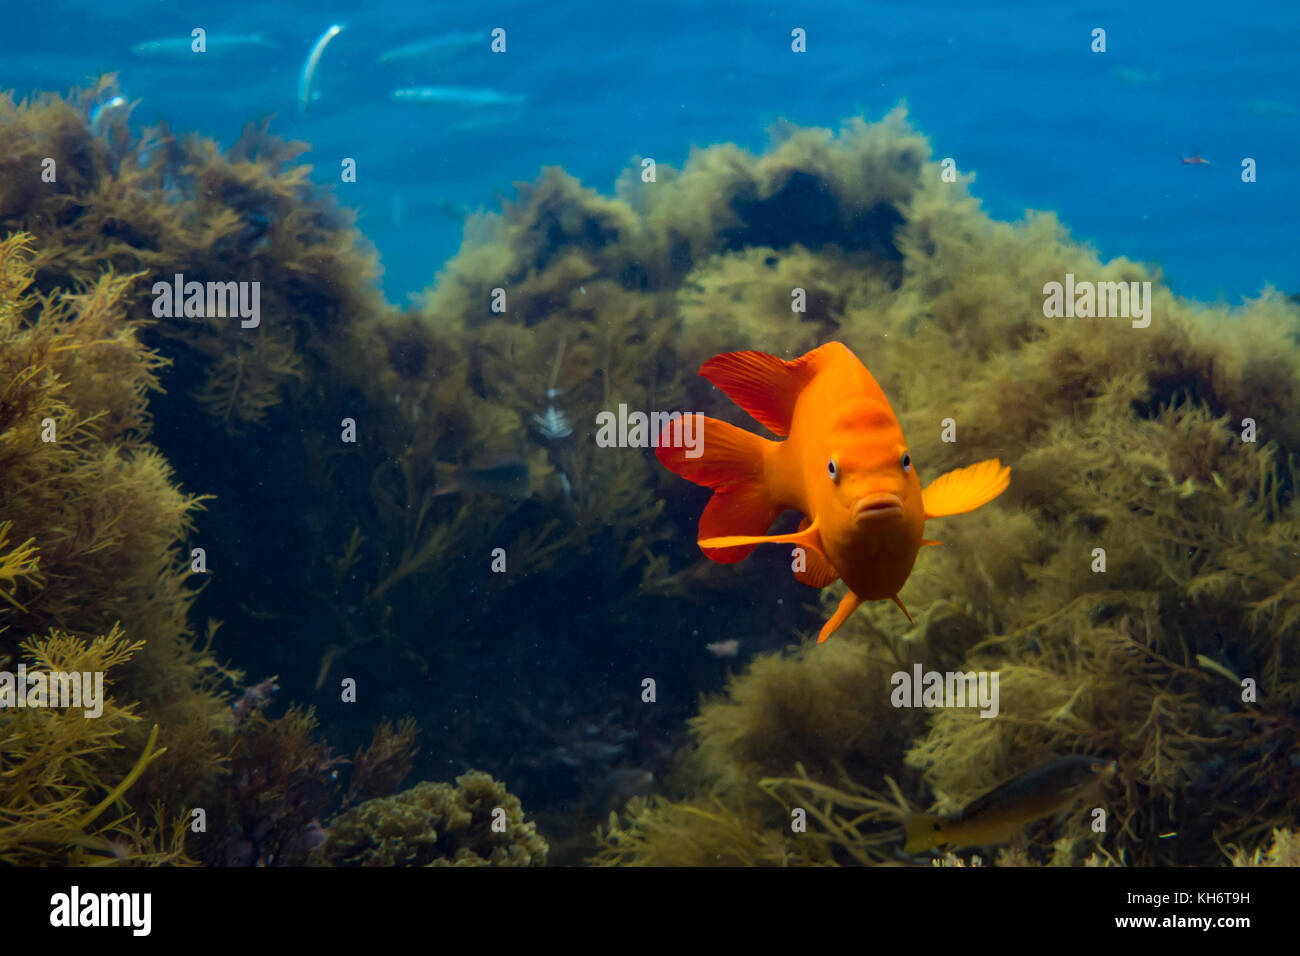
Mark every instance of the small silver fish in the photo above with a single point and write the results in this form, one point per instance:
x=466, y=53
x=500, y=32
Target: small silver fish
x=508, y=478
x=1272, y=109
x=554, y=424
x=457, y=211
x=587, y=751
x=107, y=114
x=728, y=648
x=433, y=45
x=214, y=44
x=454, y=96
x=309, y=65
x=1135, y=76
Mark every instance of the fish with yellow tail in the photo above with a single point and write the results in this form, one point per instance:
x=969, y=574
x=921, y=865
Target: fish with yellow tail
x=999, y=814
x=844, y=464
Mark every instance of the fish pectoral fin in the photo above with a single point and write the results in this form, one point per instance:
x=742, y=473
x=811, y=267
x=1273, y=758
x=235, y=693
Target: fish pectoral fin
x=848, y=605
x=818, y=571
x=804, y=538
x=965, y=489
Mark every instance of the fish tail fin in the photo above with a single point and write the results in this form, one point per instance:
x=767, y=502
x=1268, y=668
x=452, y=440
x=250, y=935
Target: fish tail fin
x=731, y=461
x=923, y=831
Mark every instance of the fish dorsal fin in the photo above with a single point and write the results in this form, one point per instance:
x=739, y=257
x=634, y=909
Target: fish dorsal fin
x=762, y=384
x=818, y=572
x=965, y=489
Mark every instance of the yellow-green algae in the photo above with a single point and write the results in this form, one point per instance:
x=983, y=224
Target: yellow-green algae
x=60, y=802
x=90, y=527
x=1126, y=439
x=1283, y=851
x=477, y=822
x=95, y=529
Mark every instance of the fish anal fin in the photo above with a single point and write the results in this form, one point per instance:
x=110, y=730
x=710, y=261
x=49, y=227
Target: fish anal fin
x=818, y=571
x=848, y=605
x=746, y=509
x=965, y=489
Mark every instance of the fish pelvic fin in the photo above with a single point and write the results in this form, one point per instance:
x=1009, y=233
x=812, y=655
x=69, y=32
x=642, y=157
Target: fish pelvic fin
x=965, y=489
x=903, y=608
x=731, y=461
x=848, y=605
x=808, y=538
x=818, y=571
x=762, y=384
x=923, y=831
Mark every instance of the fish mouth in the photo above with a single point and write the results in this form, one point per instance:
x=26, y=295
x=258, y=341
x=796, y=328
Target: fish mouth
x=877, y=506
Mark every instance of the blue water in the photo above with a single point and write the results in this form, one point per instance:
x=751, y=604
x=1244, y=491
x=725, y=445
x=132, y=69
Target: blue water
x=1012, y=92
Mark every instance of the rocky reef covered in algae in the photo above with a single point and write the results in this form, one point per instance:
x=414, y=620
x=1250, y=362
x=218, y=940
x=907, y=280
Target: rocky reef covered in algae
x=569, y=303
x=90, y=563
x=382, y=544
x=1135, y=588
x=96, y=535
x=1171, y=448
x=475, y=823
x=94, y=580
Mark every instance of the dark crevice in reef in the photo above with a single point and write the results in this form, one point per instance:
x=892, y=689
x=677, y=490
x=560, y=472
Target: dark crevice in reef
x=805, y=211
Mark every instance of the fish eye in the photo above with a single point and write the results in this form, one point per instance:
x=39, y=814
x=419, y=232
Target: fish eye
x=833, y=469
x=907, y=462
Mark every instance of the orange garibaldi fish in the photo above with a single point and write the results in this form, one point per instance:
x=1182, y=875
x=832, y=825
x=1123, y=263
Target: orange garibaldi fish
x=844, y=465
